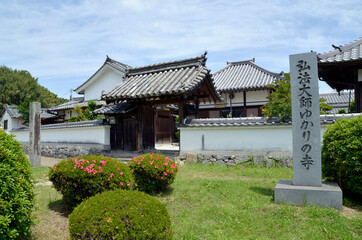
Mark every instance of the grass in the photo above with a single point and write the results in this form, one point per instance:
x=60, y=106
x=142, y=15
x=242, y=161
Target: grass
x=216, y=202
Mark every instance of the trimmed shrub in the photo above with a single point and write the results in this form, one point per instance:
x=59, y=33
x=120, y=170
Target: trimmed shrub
x=120, y=214
x=342, y=154
x=79, y=178
x=16, y=190
x=153, y=172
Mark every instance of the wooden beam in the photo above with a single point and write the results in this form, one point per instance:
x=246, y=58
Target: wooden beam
x=244, y=96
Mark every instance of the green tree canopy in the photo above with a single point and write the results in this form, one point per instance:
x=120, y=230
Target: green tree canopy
x=17, y=85
x=280, y=101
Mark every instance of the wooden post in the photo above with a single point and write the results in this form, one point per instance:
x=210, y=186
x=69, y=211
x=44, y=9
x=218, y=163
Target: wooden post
x=181, y=110
x=140, y=128
x=197, y=107
x=244, y=95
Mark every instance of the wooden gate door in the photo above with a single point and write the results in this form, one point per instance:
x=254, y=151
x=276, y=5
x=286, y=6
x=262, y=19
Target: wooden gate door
x=163, y=127
x=129, y=134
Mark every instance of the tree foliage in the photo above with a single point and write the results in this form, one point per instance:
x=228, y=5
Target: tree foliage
x=17, y=85
x=324, y=107
x=280, y=101
x=87, y=114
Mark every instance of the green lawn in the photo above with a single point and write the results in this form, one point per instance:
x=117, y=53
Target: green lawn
x=216, y=202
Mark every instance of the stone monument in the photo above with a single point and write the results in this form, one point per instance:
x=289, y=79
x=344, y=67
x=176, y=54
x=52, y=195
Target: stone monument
x=307, y=186
x=34, y=134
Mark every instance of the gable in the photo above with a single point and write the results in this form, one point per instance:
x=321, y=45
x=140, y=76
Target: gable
x=105, y=80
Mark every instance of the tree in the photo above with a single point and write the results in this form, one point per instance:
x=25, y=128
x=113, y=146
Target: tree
x=87, y=114
x=279, y=104
x=280, y=101
x=352, y=107
x=324, y=108
x=17, y=85
x=23, y=109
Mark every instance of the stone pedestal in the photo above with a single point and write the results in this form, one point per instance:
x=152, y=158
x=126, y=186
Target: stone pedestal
x=327, y=195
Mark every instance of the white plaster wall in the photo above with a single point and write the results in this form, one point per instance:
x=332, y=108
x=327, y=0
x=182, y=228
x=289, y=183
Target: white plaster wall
x=12, y=122
x=271, y=138
x=91, y=135
x=107, y=81
x=252, y=98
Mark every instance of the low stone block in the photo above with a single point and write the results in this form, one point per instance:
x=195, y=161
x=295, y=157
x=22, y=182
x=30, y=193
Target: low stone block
x=327, y=195
x=219, y=162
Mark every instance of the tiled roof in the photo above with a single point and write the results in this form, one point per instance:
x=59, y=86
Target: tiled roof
x=349, y=52
x=243, y=75
x=78, y=102
x=335, y=98
x=337, y=101
x=110, y=62
x=14, y=113
x=119, y=108
x=66, y=125
x=163, y=79
x=255, y=121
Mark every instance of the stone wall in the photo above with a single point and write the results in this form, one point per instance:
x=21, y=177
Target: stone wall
x=66, y=150
x=258, y=158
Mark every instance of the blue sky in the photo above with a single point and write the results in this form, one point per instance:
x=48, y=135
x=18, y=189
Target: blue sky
x=64, y=42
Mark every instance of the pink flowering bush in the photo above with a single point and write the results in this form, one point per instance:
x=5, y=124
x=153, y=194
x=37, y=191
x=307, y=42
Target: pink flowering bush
x=83, y=177
x=153, y=172
x=120, y=214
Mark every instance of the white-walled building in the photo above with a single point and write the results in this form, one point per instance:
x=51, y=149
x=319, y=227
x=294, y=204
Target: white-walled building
x=243, y=87
x=10, y=118
x=106, y=78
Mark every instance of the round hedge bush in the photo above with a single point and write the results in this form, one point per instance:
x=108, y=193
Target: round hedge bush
x=153, y=172
x=79, y=178
x=120, y=214
x=16, y=190
x=342, y=154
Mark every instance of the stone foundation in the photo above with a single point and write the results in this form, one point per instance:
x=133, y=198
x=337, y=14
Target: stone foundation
x=231, y=158
x=68, y=150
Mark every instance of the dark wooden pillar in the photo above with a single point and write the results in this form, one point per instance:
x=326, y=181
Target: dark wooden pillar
x=140, y=127
x=181, y=111
x=231, y=96
x=358, y=95
x=197, y=103
x=244, y=95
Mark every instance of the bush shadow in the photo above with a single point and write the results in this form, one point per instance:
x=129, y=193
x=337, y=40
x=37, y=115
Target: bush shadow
x=263, y=191
x=60, y=207
x=164, y=193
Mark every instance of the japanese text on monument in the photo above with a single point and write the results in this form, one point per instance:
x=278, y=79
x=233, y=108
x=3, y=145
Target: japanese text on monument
x=306, y=103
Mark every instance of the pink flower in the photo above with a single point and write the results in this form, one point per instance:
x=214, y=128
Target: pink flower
x=118, y=169
x=143, y=166
x=54, y=168
x=121, y=173
x=112, y=175
x=151, y=162
x=166, y=186
x=109, y=179
x=75, y=166
x=121, y=183
x=156, y=166
x=128, y=184
x=165, y=173
x=172, y=172
x=100, y=170
x=94, y=161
